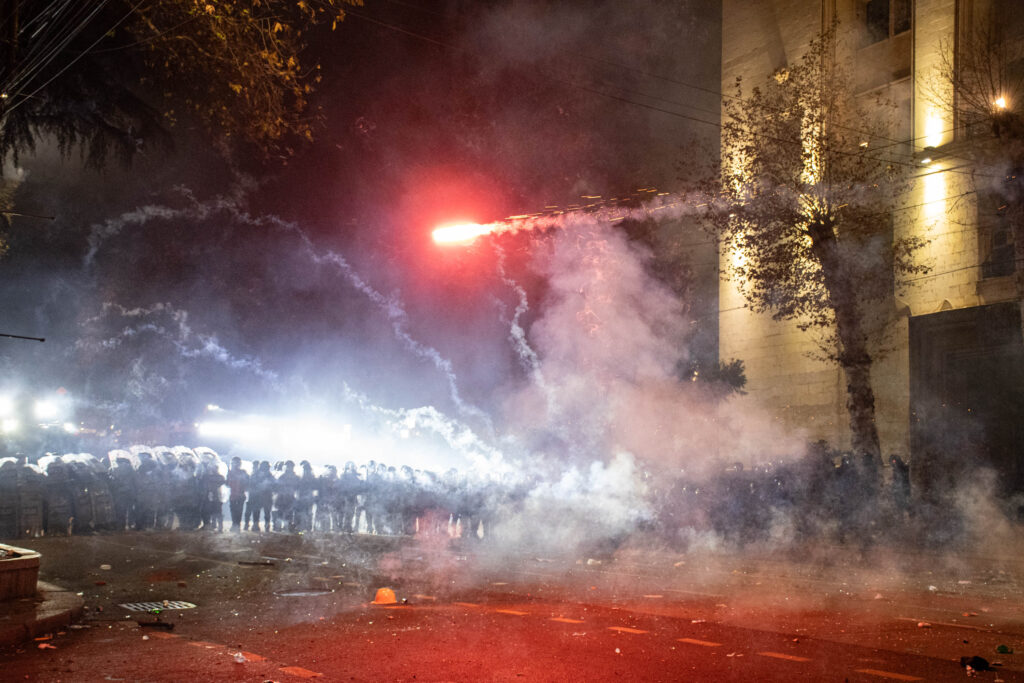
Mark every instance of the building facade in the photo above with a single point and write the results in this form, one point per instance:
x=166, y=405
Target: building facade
x=949, y=375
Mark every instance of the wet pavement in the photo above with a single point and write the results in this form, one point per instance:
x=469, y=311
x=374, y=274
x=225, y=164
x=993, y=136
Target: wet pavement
x=301, y=606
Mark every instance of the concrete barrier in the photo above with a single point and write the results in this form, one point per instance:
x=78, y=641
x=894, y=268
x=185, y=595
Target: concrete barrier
x=19, y=572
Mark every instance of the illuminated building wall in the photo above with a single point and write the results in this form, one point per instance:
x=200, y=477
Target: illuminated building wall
x=895, y=45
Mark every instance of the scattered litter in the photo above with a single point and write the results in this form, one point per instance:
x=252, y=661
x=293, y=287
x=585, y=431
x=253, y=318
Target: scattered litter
x=46, y=646
x=1004, y=650
x=165, y=625
x=145, y=637
x=105, y=567
x=579, y=633
x=697, y=621
x=735, y=654
x=384, y=596
x=932, y=588
x=240, y=658
x=150, y=606
x=970, y=614
x=878, y=596
x=618, y=651
x=591, y=562
x=48, y=636
x=923, y=624
x=257, y=563
x=975, y=664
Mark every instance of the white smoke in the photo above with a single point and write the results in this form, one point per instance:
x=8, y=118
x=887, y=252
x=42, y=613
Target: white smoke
x=172, y=324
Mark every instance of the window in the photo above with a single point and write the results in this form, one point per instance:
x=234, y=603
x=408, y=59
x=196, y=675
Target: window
x=995, y=237
x=886, y=18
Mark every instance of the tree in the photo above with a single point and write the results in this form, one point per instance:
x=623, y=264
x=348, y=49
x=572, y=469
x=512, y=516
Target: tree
x=980, y=80
x=112, y=76
x=803, y=207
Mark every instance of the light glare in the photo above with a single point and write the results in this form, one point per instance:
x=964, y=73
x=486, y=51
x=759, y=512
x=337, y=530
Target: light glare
x=462, y=233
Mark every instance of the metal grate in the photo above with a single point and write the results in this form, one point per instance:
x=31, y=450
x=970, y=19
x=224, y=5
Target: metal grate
x=147, y=606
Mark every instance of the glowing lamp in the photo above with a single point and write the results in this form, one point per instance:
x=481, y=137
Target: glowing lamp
x=1000, y=103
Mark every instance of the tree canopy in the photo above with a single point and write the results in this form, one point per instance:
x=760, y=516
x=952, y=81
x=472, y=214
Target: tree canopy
x=113, y=75
x=803, y=207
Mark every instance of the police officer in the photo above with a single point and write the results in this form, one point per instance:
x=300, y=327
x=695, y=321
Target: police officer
x=238, y=485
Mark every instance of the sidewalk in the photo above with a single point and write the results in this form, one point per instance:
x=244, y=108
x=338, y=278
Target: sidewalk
x=52, y=609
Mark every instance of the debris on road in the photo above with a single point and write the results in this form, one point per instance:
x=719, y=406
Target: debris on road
x=923, y=624
x=1004, y=650
x=240, y=658
x=166, y=625
x=932, y=588
x=975, y=663
x=46, y=646
x=105, y=567
x=384, y=596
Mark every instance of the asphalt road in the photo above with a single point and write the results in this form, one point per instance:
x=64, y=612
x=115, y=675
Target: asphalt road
x=301, y=607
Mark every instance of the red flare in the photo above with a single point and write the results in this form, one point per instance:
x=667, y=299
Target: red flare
x=463, y=233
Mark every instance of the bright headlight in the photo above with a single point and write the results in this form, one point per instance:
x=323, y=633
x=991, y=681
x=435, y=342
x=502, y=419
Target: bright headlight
x=45, y=410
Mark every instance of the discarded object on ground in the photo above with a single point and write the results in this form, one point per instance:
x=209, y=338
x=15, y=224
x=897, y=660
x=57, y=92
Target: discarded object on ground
x=1004, y=650
x=977, y=663
x=105, y=567
x=923, y=624
x=257, y=563
x=46, y=646
x=166, y=626
x=240, y=658
x=384, y=596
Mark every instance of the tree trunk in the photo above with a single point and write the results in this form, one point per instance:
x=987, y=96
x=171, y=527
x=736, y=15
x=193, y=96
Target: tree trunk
x=854, y=358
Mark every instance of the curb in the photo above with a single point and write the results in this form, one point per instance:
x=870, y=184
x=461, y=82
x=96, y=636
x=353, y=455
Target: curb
x=55, y=608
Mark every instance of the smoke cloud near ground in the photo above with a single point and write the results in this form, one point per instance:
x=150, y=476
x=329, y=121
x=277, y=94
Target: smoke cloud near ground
x=316, y=292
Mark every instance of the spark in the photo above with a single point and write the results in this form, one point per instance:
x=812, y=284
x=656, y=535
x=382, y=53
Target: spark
x=462, y=233
x=638, y=206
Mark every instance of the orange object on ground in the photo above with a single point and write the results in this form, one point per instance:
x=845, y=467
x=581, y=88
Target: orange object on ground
x=385, y=596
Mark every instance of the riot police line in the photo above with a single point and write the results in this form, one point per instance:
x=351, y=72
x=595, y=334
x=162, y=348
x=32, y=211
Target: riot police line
x=822, y=495
x=192, y=489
